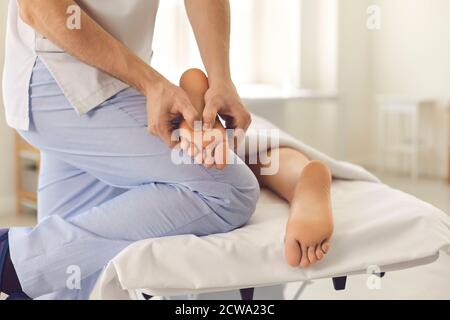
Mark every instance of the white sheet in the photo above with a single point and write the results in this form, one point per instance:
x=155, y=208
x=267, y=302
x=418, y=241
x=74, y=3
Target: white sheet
x=374, y=225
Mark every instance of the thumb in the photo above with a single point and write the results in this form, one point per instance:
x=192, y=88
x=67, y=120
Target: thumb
x=190, y=114
x=209, y=115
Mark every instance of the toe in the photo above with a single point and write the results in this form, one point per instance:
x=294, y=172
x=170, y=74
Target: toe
x=326, y=246
x=312, y=255
x=319, y=252
x=304, y=262
x=293, y=252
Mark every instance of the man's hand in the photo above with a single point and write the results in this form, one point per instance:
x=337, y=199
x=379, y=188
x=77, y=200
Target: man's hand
x=166, y=103
x=222, y=98
x=210, y=21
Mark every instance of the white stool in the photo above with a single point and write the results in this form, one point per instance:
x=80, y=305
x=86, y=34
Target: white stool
x=401, y=132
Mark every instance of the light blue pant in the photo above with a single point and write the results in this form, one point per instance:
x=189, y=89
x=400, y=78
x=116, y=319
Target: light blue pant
x=105, y=183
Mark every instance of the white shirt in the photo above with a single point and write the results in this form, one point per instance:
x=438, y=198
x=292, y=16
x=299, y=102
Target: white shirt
x=130, y=21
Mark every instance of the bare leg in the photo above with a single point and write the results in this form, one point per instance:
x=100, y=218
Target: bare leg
x=305, y=185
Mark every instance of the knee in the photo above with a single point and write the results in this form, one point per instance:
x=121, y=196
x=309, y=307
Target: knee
x=242, y=199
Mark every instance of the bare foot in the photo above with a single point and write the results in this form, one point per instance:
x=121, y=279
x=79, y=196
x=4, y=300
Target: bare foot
x=209, y=148
x=310, y=224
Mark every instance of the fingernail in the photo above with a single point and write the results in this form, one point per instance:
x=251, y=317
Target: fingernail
x=206, y=126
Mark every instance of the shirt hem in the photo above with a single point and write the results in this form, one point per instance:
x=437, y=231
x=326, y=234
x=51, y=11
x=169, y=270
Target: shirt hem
x=92, y=101
x=21, y=124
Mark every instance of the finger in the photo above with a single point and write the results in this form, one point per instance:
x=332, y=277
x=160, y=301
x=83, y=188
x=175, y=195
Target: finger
x=152, y=119
x=209, y=145
x=189, y=114
x=152, y=124
x=184, y=145
x=175, y=134
x=243, y=122
x=193, y=151
x=220, y=156
x=200, y=157
x=210, y=115
x=185, y=134
x=165, y=133
x=209, y=157
x=178, y=146
x=153, y=129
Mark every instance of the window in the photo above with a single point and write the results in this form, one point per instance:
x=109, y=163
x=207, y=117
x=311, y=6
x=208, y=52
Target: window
x=265, y=42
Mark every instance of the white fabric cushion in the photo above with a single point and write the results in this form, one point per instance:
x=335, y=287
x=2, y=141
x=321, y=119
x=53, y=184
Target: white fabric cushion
x=374, y=225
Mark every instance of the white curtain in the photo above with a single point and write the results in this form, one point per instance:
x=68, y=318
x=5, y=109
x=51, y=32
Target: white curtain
x=265, y=42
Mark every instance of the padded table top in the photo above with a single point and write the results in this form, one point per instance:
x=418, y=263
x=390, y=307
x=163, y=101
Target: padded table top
x=375, y=225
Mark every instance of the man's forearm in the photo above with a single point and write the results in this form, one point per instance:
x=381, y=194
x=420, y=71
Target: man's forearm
x=210, y=21
x=90, y=44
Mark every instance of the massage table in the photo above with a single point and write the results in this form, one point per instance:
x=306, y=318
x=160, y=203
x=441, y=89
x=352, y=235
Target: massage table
x=376, y=228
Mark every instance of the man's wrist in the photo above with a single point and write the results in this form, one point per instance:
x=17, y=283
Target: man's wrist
x=219, y=77
x=146, y=77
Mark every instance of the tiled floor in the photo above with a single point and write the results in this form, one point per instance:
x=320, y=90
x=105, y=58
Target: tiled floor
x=426, y=282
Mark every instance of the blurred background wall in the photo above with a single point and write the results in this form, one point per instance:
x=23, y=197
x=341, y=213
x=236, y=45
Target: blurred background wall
x=410, y=56
x=323, y=64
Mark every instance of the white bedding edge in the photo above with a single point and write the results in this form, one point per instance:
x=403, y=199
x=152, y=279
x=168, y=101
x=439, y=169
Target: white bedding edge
x=146, y=264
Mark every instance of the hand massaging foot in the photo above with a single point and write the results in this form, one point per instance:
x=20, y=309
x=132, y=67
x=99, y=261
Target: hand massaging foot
x=310, y=224
x=9, y=283
x=208, y=148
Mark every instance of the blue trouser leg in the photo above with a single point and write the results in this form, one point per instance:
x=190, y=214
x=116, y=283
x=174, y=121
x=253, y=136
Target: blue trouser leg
x=142, y=194
x=55, y=180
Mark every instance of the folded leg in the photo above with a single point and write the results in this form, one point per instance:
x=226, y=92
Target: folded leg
x=67, y=191
x=153, y=196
